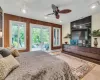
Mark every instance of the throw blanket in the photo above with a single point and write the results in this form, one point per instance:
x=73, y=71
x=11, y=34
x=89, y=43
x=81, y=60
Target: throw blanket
x=40, y=65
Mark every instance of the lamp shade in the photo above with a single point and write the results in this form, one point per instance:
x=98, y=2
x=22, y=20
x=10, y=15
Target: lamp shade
x=0, y=34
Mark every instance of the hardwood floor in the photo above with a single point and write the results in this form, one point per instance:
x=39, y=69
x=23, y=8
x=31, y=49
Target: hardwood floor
x=94, y=74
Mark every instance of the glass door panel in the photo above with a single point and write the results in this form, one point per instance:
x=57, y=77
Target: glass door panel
x=40, y=38
x=14, y=35
x=22, y=36
x=45, y=39
x=54, y=40
x=58, y=37
x=36, y=38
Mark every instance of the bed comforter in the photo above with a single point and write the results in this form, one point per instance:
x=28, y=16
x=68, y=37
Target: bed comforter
x=40, y=65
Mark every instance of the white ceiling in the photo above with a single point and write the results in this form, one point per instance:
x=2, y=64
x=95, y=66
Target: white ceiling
x=37, y=9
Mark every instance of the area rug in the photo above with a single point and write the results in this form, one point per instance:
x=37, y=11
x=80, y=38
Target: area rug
x=78, y=66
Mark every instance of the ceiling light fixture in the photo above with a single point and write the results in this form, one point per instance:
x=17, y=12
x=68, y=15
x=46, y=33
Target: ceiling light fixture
x=74, y=26
x=94, y=5
x=24, y=11
x=60, y=21
x=45, y=17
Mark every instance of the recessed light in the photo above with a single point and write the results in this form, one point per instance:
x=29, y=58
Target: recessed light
x=24, y=11
x=80, y=26
x=93, y=6
x=74, y=26
x=45, y=17
x=60, y=21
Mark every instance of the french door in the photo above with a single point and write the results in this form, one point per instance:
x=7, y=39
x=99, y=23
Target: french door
x=40, y=37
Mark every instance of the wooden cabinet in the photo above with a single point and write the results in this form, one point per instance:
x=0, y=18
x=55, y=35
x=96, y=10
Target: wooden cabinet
x=88, y=53
x=81, y=31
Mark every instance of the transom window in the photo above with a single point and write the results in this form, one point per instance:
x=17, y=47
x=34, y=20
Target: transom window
x=18, y=34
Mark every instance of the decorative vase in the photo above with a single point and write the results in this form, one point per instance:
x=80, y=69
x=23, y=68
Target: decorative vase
x=95, y=42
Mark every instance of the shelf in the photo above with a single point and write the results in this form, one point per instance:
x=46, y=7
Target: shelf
x=79, y=29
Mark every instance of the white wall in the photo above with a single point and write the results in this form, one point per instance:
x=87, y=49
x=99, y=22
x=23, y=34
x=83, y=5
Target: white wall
x=65, y=31
x=95, y=26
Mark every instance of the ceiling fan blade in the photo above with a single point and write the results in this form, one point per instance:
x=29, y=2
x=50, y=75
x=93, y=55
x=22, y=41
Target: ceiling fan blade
x=54, y=7
x=64, y=11
x=50, y=14
x=57, y=17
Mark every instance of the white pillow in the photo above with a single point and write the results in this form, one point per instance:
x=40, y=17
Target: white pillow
x=7, y=64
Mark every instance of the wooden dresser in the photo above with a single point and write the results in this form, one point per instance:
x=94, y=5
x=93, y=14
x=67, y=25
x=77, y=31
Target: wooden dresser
x=91, y=54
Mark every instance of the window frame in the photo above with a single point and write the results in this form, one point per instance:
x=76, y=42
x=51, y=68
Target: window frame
x=10, y=33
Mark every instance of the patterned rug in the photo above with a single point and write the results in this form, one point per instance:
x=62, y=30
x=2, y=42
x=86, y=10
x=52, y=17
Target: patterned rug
x=78, y=66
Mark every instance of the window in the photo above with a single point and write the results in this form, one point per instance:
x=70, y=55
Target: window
x=40, y=37
x=56, y=36
x=18, y=34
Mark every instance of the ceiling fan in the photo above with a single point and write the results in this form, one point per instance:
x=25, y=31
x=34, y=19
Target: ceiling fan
x=56, y=11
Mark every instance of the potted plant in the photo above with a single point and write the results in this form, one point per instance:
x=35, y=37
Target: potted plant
x=67, y=36
x=96, y=33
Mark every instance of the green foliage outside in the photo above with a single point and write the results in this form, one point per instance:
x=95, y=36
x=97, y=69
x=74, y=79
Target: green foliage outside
x=96, y=33
x=15, y=34
x=38, y=36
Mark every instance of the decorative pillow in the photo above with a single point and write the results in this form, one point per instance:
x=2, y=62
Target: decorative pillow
x=7, y=64
x=5, y=52
x=14, y=52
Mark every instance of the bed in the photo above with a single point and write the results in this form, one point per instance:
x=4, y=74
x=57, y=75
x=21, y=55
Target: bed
x=40, y=65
